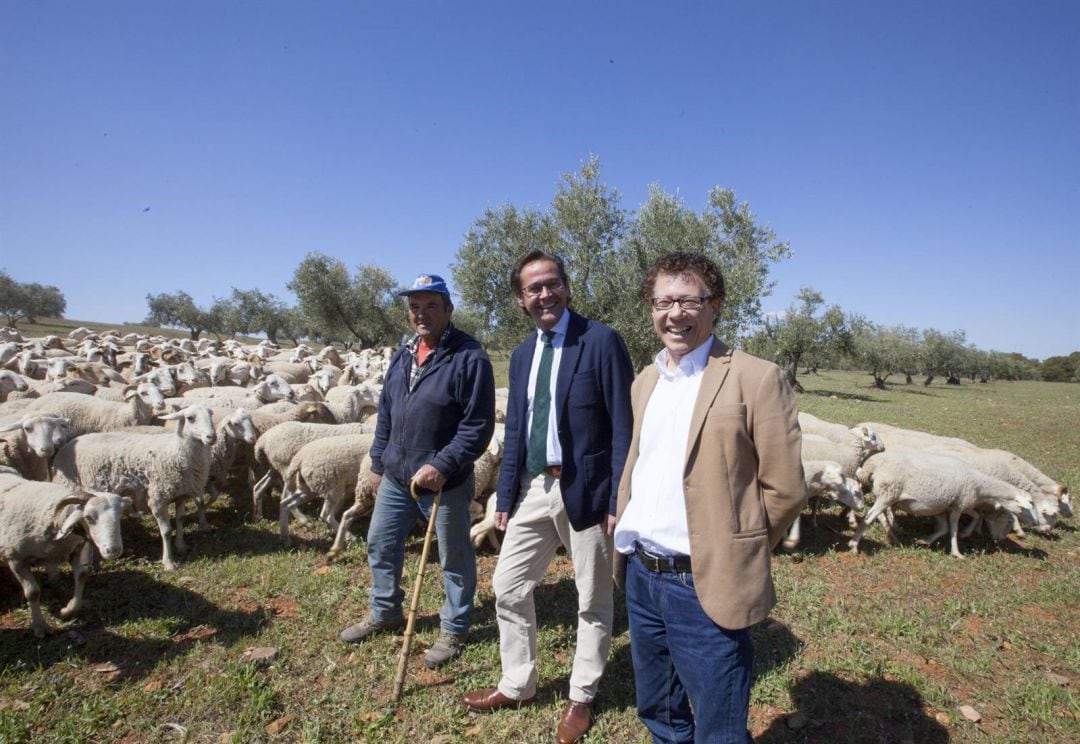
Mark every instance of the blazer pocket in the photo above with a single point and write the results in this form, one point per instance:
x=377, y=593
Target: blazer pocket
x=584, y=391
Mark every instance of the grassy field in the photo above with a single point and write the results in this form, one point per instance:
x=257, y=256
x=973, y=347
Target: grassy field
x=886, y=646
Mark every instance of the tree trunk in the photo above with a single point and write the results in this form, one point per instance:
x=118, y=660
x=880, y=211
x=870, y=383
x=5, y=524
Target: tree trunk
x=789, y=375
x=928, y=380
x=879, y=381
x=907, y=379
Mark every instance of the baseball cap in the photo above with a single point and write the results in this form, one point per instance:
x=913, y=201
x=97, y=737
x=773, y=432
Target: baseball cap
x=427, y=283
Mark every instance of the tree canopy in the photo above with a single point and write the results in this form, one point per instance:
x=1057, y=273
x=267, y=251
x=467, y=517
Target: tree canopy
x=20, y=300
x=607, y=251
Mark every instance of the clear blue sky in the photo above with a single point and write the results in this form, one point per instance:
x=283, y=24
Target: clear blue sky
x=922, y=158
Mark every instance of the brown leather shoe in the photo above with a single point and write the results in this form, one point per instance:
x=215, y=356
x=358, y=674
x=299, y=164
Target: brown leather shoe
x=489, y=699
x=575, y=722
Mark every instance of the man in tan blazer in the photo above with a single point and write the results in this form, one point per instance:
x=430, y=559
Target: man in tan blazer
x=712, y=481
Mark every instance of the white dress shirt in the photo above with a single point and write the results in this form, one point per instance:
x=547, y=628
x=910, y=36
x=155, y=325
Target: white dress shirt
x=554, y=449
x=655, y=516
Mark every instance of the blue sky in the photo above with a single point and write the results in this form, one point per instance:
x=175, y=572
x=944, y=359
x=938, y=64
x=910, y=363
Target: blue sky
x=922, y=158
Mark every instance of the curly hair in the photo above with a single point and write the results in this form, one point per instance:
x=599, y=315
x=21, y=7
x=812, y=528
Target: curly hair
x=685, y=265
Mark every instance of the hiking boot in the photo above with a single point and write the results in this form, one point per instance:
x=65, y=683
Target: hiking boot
x=369, y=625
x=448, y=646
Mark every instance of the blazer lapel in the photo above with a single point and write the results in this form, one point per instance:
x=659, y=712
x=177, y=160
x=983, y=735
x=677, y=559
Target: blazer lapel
x=568, y=362
x=716, y=371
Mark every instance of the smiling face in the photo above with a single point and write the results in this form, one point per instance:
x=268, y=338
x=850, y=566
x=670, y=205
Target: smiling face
x=429, y=315
x=682, y=331
x=543, y=295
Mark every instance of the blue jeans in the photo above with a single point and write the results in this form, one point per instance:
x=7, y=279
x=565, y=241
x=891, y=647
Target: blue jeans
x=692, y=677
x=394, y=516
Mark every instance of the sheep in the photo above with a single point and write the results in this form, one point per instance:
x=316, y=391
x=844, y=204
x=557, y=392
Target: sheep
x=929, y=484
x=326, y=468
x=826, y=479
x=89, y=414
x=234, y=430
x=38, y=521
x=363, y=504
x=1051, y=498
x=861, y=443
x=175, y=467
x=275, y=449
x=292, y=372
x=11, y=381
x=267, y=390
x=484, y=530
x=34, y=440
x=353, y=403
x=811, y=424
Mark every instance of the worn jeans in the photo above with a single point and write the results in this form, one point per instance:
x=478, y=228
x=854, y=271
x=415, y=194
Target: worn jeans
x=394, y=516
x=692, y=677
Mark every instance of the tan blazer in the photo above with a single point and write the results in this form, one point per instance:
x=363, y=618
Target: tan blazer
x=742, y=480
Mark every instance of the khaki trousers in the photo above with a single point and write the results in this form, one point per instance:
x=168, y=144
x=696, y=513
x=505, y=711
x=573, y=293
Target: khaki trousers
x=538, y=526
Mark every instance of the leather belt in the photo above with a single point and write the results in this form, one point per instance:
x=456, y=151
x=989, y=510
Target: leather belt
x=555, y=471
x=663, y=563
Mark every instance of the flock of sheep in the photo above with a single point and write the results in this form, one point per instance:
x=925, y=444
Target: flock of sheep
x=95, y=425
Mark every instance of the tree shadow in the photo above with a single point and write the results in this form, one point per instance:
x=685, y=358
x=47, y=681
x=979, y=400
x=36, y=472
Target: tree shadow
x=842, y=396
x=831, y=709
x=127, y=598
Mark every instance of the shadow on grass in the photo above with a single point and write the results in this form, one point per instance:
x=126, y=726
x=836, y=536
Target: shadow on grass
x=127, y=597
x=841, y=396
x=835, y=710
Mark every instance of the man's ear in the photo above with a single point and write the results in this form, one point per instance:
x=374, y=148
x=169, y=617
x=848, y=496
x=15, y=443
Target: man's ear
x=520, y=301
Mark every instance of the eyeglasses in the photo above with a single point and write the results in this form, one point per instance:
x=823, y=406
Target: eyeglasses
x=535, y=290
x=686, y=303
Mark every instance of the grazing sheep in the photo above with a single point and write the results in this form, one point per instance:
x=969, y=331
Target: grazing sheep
x=825, y=479
x=174, y=465
x=37, y=522
x=861, y=443
x=930, y=485
x=88, y=414
x=32, y=441
x=819, y=427
x=325, y=468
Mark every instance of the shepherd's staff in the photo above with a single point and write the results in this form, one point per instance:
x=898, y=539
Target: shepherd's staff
x=406, y=644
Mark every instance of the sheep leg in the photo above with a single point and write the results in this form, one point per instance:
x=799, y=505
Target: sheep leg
x=32, y=592
x=289, y=503
x=79, y=561
x=178, y=536
x=941, y=527
x=326, y=514
x=161, y=516
x=791, y=540
x=875, y=511
x=976, y=520
x=954, y=523
x=201, y=503
x=1016, y=526
x=257, y=496
x=342, y=537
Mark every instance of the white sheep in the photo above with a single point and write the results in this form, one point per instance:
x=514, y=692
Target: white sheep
x=861, y=443
x=363, y=504
x=275, y=449
x=825, y=479
x=89, y=414
x=32, y=441
x=325, y=468
x=267, y=390
x=11, y=382
x=174, y=465
x=37, y=522
x=929, y=485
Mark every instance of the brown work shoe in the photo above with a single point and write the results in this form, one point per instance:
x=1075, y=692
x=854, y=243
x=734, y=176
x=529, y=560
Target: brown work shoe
x=575, y=722
x=489, y=699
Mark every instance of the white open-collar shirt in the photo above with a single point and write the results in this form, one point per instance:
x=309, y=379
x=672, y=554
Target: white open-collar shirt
x=554, y=449
x=655, y=516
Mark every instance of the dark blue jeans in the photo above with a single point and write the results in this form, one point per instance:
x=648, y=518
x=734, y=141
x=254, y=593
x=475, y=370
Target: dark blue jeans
x=692, y=677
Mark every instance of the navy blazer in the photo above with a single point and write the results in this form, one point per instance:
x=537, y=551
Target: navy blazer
x=592, y=399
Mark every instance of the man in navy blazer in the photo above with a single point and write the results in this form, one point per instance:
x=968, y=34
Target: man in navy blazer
x=568, y=427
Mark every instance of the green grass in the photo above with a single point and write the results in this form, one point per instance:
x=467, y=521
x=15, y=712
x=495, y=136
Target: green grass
x=883, y=646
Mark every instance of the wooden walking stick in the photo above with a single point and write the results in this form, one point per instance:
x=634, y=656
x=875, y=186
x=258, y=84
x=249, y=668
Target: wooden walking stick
x=403, y=660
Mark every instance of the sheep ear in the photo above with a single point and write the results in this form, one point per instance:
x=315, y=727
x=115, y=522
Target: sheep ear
x=11, y=426
x=69, y=524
